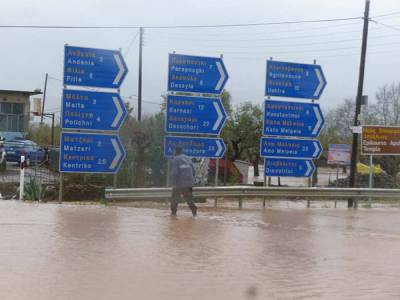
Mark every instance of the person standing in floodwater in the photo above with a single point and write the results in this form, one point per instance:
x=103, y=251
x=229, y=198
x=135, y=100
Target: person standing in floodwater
x=182, y=181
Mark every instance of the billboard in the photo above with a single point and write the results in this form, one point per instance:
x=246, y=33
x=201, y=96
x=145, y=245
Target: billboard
x=339, y=154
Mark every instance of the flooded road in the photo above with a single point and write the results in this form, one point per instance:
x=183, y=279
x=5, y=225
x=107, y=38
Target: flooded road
x=51, y=251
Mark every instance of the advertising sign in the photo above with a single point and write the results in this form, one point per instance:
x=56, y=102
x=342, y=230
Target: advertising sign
x=380, y=140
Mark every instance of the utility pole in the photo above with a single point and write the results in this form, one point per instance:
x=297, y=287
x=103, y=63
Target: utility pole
x=140, y=74
x=354, y=152
x=44, y=97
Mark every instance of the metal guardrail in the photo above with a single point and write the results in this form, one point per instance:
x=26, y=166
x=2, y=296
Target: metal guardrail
x=243, y=192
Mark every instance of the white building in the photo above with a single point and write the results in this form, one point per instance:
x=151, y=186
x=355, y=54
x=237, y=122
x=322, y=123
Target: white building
x=15, y=113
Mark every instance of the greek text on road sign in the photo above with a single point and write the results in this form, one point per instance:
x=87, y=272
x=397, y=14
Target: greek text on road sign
x=93, y=67
x=194, y=115
x=90, y=153
x=92, y=110
x=294, y=80
x=288, y=167
x=290, y=148
x=282, y=118
x=196, y=74
x=195, y=146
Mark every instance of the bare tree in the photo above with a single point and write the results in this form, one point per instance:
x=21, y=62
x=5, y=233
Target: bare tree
x=388, y=104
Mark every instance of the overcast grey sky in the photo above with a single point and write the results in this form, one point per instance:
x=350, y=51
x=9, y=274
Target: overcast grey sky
x=27, y=54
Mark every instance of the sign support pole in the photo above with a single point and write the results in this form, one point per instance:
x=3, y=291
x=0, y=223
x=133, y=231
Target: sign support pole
x=371, y=175
x=337, y=175
x=168, y=171
x=350, y=202
x=60, y=192
x=115, y=181
x=337, y=180
x=216, y=171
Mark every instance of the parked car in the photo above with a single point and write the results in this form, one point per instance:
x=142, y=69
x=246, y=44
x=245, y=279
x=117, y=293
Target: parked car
x=33, y=153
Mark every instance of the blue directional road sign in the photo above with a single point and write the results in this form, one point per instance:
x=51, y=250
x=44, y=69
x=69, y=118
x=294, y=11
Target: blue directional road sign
x=290, y=148
x=90, y=153
x=288, y=167
x=195, y=147
x=93, y=67
x=286, y=79
x=194, y=115
x=92, y=110
x=196, y=74
x=282, y=118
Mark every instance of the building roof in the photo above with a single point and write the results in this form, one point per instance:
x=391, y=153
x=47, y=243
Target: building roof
x=27, y=93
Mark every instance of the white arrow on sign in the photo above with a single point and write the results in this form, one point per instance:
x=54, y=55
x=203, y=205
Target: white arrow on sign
x=220, y=116
x=121, y=68
x=321, y=82
x=120, y=112
x=316, y=146
x=319, y=120
x=220, y=148
x=309, y=168
x=222, y=78
x=118, y=154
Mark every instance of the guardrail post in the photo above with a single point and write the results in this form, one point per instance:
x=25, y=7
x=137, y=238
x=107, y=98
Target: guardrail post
x=240, y=202
x=215, y=202
x=264, y=202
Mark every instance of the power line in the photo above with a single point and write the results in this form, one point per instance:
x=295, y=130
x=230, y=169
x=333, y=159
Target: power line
x=253, y=33
x=131, y=43
x=386, y=25
x=275, y=45
x=180, y=26
x=386, y=15
x=263, y=56
x=260, y=39
x=297, y=51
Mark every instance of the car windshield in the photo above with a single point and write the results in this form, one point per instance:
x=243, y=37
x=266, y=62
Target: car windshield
x=14, y=145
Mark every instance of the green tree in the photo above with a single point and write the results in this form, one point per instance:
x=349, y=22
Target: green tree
x=242, y=133
x=145, y=164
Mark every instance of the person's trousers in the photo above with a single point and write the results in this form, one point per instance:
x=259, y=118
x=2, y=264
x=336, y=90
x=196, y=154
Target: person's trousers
x=185, y=194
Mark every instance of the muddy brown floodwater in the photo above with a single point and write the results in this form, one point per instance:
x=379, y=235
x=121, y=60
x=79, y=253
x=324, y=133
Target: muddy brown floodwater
x=51, y=251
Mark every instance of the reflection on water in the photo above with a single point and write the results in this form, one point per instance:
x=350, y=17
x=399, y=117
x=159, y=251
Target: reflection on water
x=51, y=251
